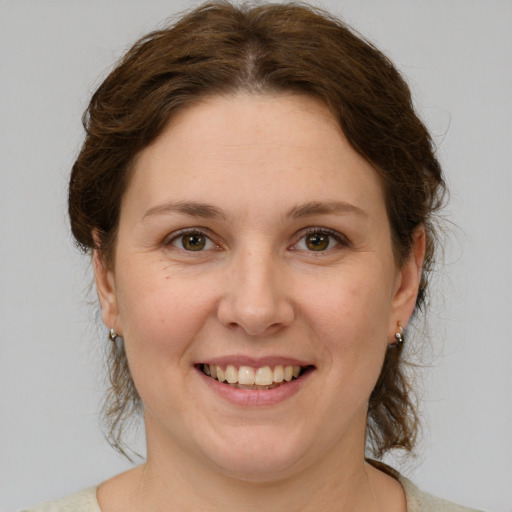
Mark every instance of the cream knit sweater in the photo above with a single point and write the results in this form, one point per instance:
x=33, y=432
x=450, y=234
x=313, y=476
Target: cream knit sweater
x=417, y=501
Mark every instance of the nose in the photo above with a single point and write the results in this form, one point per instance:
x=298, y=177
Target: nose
x=257, y=297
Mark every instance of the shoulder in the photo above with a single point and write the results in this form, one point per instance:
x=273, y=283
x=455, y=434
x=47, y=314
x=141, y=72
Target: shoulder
x=419, y=501
x=83, y=501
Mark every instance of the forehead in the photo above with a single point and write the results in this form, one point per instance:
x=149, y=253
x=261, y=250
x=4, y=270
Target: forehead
x=244, y=149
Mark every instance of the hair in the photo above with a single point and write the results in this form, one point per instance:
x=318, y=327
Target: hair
x=221, y=49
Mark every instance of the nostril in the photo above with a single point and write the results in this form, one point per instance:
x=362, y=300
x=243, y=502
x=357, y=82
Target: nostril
x=259, y=310
x=255, y=328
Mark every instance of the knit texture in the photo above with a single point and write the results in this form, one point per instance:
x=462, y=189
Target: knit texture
x=417, y=501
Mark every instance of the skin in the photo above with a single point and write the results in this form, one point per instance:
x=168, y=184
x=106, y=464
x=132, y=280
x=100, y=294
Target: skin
x=256, y=290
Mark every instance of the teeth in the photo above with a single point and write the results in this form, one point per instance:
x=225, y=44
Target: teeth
x=264, y=376
x=278, y=373
x=231, y=374
x=220, y=374
x=247, y=376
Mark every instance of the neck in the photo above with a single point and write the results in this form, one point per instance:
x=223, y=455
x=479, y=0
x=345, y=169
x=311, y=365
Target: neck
x=339, y=483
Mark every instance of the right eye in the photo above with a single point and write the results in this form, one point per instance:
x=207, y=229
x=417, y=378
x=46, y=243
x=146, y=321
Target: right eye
x=192, y=241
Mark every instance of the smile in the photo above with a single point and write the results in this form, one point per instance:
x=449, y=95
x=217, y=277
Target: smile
x=247, y=377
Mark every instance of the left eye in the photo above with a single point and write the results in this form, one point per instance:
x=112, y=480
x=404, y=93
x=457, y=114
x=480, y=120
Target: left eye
x=318, y=241
x=192, y=241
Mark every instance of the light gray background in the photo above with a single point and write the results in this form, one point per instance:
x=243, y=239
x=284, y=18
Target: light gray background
x=457, y=56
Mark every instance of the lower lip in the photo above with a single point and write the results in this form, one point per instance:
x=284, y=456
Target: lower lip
x=256, y=397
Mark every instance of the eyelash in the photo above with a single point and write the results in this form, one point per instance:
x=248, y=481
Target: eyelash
x=175, y=237
x=340, y=239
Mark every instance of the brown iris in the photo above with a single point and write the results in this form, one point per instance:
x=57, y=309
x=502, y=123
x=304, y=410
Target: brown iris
x=317, y=241
x=193, y=241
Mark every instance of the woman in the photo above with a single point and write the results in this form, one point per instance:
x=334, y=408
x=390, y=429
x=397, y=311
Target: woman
x=259, y=198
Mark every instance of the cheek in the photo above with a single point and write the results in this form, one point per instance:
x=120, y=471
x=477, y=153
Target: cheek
x=350, y=308
x=160, y=317
x=160, y=321
x=350, y=325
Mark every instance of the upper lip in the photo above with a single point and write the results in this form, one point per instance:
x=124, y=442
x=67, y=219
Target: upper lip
x=255, y=362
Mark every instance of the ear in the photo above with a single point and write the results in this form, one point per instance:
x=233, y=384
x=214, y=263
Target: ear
x=105, y=285
x=408, y=282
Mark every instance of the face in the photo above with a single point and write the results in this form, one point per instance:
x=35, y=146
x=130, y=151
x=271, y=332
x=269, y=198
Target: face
x=254, y=246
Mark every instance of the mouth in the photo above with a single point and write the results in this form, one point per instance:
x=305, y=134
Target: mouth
x=247, y=377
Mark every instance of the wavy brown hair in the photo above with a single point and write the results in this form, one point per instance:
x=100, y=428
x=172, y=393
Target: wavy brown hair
x=220, y=49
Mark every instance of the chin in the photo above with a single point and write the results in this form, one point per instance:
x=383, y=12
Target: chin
x=259, y=469
x=260, y=458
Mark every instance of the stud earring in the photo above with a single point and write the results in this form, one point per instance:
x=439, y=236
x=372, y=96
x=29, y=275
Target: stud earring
x=117, y=340
x=399, y=336
x=113, y=335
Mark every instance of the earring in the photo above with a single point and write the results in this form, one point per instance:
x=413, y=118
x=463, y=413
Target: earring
x=399, y=336
x=117, y=339
x=113, y=335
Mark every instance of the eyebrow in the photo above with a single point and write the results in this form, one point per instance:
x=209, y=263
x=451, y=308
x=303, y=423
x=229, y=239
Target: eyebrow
x=322, y=208
x=207, y=211
x=192, y=209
